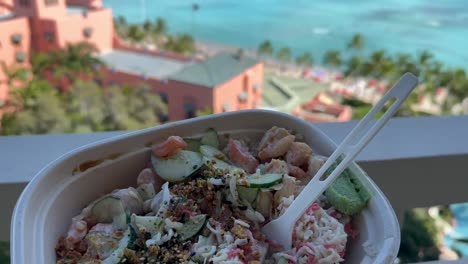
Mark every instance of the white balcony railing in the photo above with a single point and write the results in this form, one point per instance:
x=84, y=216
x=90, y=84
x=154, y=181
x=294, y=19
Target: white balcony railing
x=417, y=162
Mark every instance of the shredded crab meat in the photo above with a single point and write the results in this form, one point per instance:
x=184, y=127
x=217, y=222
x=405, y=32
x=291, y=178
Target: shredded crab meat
x=317, y=236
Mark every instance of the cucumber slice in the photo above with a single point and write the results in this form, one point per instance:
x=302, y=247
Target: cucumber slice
x=192, y=226
x=265, y=180
x=146, y=191
x=120, y=221
x=177, y=167
x=248, y=194
x=151, y=224
x=210, y=138
x=211, y=152
x=216, y=164
x=110, y=210
x=192, y=144
x=282, y=261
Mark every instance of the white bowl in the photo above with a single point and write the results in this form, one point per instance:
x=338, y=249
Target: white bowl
x=57, y=193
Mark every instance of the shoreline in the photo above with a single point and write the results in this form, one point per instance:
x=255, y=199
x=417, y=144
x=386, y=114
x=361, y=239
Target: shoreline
x=211, y=48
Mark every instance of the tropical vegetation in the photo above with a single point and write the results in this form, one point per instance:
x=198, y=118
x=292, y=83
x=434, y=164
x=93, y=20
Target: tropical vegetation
x=418, y=241
x=4, y=252
x=40, y=108
x=284, y=54
x=380, y=65
x=154, y=33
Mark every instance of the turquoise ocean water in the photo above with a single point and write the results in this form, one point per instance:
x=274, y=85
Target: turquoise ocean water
x=440, y=26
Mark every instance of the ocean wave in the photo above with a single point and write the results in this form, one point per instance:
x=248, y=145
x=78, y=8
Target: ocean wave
x=320, y=31
x=433, y=23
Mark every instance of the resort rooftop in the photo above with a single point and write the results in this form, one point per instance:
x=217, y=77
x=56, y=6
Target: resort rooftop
x=214, y=70
x=136, y=63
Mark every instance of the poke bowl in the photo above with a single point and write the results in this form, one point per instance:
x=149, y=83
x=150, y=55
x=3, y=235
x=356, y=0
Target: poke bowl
x=198, y=191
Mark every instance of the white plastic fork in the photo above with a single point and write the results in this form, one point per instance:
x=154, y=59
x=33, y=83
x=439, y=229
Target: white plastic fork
x=280, y=230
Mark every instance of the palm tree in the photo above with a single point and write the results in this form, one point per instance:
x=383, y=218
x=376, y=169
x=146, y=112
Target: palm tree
x=366, y=69
x=458, y=85
x=135, y=34
x=357, y=42
x=74, y=62
x=402, y=62
x=387, y=69
x=160, y=27
x=122, y=20
x=120, y=26
x=424, y=64
x=425, y=57
x=183, y=44
x=304, y=59
x=147, y=26
x=284, y=54
x=377, y=59
x=265, y=48
x=353, y=66
x=80, y=58
x=332, y=58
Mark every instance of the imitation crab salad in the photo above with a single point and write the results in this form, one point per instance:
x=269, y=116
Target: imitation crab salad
x=205, y=200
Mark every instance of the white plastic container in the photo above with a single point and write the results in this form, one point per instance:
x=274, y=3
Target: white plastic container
x=59, y=192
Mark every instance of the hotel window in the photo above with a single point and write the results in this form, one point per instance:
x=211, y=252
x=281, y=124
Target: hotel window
x=242, y=97
x=163, y=117
x=164, y=97
x=49, y=36
x=24, y=2
x=190, y=110
x=50, y=2
x=87, y=32
x=20, y=57
x=226, y=107
x=16, y=39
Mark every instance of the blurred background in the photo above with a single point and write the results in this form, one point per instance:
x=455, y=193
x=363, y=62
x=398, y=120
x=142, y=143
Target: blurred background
x=79, y=67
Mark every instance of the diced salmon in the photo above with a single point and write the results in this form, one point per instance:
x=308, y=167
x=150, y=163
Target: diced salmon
x=296, y=172
x=275, y=143
x=298, y=154
x=241, y=156
x=169, y=147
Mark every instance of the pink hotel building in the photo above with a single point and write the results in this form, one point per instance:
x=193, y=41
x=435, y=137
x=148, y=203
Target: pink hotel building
x=223, y=82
